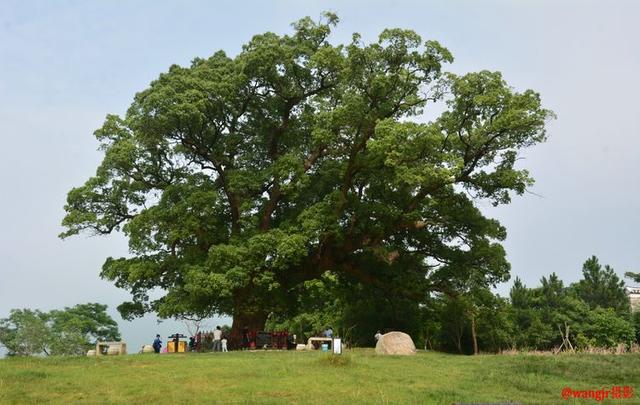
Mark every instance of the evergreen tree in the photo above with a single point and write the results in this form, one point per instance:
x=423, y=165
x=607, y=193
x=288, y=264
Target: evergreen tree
x=601, y=287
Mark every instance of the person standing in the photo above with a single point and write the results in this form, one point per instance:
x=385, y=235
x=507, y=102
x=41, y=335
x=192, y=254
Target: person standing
x=224, y=344
x=157, y=344
x=245, y=338
x=328, y=333
x=217, y=338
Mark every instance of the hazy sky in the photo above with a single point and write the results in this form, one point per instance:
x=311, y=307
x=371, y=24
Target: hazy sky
x=65, y=64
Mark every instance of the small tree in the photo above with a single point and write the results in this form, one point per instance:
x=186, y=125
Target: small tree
x=25, y=332
x=455, y=323
x=601, y=287
x=605, y=328
x=76, y=329
x=539, y=313
x=194, y=323
x=70, y=331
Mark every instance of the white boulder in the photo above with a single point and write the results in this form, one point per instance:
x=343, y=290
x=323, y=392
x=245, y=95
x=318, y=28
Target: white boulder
x=395, y=343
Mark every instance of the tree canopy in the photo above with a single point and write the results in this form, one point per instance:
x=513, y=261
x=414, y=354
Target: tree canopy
x=70, y=331
x=237, y=179
x=601, y=287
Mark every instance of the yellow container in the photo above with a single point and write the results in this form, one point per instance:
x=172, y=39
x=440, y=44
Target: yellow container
x=182, y=347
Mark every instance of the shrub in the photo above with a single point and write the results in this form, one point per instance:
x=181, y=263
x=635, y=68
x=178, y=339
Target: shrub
x=336, y=360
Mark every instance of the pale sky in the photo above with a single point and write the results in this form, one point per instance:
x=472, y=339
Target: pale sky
x=65, y=64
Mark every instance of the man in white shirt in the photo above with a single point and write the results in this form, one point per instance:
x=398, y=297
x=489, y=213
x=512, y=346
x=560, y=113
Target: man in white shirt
x=217, y=338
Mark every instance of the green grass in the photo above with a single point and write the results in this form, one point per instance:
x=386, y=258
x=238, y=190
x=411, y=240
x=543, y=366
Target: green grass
x=311, y=377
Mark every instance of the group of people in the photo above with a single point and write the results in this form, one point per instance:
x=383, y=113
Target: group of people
x=219, y=342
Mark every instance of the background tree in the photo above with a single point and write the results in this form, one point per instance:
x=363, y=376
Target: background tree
x=540, y=314
x=531, y=332
x=71, y=331
x=473, y=322
x=635, y=321
x=601, y=287
x=76, y=329
x=596, y=318
x=25, y=332
x=194, y=324
x=496, y=330
x=606, y=328
x=237, y=179
x=557, y=306
x=475, y=296
x=634, y=276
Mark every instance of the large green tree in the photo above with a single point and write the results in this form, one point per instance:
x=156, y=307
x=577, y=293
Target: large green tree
x=238, y=178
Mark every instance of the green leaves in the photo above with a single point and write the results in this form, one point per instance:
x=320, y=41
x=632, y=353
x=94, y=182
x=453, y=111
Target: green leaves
x=25, y=332
x=71, y=331
x=595, y=308
x=601, y=287
x=605, y=328
x=236, y=179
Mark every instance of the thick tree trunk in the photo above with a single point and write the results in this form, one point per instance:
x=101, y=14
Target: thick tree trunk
x=252, y=320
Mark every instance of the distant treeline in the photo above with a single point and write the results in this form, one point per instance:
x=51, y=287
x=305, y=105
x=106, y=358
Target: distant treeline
x=70, y=331
x=595, y=312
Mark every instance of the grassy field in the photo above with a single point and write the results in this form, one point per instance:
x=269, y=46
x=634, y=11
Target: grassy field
x=303, y=377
